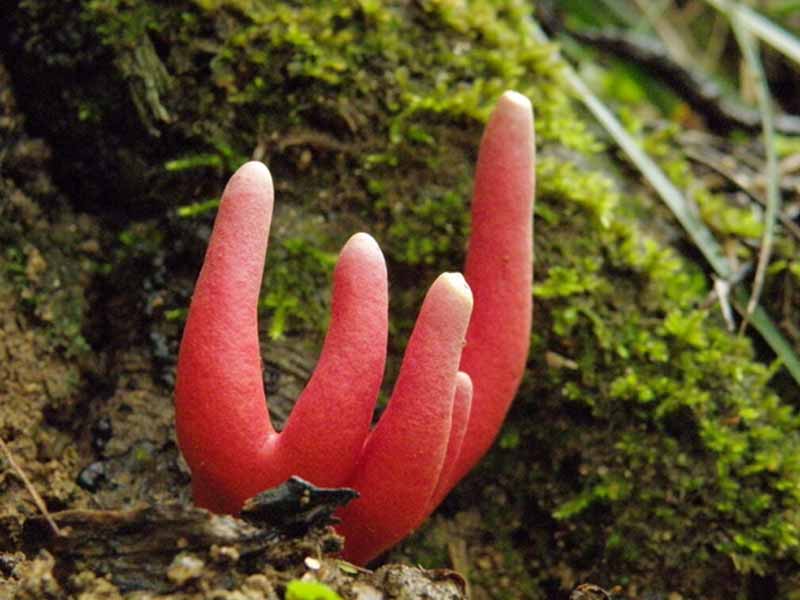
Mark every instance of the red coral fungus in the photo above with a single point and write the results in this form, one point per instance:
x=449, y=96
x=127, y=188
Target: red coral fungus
x=436, y=426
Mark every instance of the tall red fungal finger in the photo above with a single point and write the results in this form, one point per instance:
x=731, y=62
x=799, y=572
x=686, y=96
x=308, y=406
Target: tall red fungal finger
x=499, y=269
x=328, y=425
x=402, y=458
x=462, y=401
x=221, y=411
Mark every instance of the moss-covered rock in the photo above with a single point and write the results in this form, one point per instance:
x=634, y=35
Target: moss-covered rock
x=664, y=451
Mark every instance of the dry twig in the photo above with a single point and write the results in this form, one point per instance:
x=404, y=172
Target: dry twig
x=37, y=499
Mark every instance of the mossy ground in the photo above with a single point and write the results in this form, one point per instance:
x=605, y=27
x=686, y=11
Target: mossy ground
x=646, y=449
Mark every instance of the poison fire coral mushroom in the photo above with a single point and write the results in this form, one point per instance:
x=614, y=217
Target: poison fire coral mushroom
x=402, y=461
x=435, y=427
x=499, y=271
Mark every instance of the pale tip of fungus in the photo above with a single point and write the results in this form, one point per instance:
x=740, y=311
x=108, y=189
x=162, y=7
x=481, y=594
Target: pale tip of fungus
x=363, y=242
x=457, y=286
x=515, y=99
x=255, y=168
x=253, y=175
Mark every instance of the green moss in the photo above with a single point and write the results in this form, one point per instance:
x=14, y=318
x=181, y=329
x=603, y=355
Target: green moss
x=309, y=590
x=48, y=272
x=297, y=283
x=666, y=446
x=430, y=232
x=728, y=220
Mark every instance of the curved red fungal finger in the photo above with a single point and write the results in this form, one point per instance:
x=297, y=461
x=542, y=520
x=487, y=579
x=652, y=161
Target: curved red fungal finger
x=221, y=411
x=402, y=458
x=462, y=401
x=499, y=269
x=327, y=427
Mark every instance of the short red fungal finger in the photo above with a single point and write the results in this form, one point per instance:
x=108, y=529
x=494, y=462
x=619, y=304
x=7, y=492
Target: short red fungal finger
x=221, y=411
x=327, y=428
x=499, y=269
x=462, y=401
x=402, y=458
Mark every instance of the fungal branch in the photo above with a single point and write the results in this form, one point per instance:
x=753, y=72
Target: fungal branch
x=449, y=401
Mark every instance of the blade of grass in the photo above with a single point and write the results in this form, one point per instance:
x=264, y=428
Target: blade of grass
x=762, y=323
x=673, y=198
x=677, y=45
x=696, y=229
x=761, y=27
x=715, y=46
x=750, y=54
